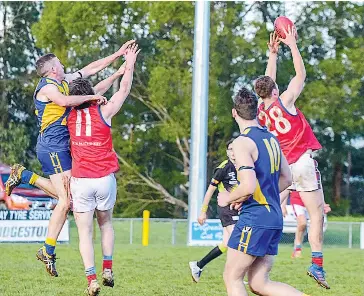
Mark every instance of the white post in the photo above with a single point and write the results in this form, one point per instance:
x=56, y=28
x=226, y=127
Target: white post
x=131, y=232
x=350, y=235
x=174, y=232
x=362, y=235
x=199, y=112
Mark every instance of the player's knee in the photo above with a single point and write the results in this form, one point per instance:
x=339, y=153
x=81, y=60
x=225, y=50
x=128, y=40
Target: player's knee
x=301, y=224
x=256, y=288
x=104, y=222
x=64, y=204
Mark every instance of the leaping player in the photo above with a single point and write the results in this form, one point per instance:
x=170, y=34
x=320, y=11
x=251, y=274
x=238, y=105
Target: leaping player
x=53, y=105
x=297, y=140
x=224, y=178
x=301, y=214
x=94, y=162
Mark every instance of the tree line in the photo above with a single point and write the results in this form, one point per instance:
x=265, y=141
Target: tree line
x=152, y=133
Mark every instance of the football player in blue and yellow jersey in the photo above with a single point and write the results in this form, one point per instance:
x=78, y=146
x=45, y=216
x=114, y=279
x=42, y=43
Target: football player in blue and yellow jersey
x=263, y=173
x=53, y=104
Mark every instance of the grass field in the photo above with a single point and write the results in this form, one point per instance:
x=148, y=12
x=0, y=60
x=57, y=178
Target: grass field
x=162, y=269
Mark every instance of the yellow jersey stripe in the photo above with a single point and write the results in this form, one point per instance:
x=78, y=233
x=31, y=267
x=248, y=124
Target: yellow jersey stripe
x=241, y=240
x=248, y=240
x=259, y=197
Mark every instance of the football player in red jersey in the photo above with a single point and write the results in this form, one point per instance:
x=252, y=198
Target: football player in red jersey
x=297, y=140
x=94, y=162
x=301, y=214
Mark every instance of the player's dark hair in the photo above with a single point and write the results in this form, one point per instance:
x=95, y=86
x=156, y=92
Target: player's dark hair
x=228, y=143
x=41, y=62
x=246, y=104
x=81, y=87
x=264, y=86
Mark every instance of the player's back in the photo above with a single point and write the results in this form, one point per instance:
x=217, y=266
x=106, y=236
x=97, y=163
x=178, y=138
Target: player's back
x=52, y=120
x=293, y=131
x=263, y=208
x=91, y=144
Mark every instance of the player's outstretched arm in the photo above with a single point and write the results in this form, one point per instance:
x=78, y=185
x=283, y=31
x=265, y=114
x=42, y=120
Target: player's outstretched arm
x=285, y=178
x=118, y=99
x=104, y=85
x=52, y=93
x=205, y=204
x=98, y=65
x=273, y=46
x=295, y=86
x=244, y=150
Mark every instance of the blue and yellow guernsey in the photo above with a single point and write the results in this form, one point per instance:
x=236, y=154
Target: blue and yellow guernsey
x=52, y=120
x=263, y=208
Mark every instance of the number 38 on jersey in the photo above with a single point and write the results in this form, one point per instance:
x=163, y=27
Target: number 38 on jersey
x=281, y=124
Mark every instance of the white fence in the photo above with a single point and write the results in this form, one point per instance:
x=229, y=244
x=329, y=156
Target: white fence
x=174, y=232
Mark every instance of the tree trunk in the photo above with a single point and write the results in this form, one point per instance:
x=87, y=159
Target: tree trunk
x=336, y=182
x=3, y=88
x=348, y=175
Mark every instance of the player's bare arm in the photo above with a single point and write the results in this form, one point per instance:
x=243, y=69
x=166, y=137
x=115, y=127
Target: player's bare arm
x=210, y=191
x=104, y=85
x=285, y=178
x=283, y=207
x=99, y=65
x=246, y=152
x=50, y=92
x=273, y=46
x=295, y=86
x=118, y=99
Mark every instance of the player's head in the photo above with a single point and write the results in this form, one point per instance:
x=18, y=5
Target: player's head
x=49, y=66
x=245, y=105
x=266, y=88
x=229, y=150
x=81, y=87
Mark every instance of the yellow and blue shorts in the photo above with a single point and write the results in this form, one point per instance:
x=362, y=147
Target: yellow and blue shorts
x=255, y=241
x=55, y=162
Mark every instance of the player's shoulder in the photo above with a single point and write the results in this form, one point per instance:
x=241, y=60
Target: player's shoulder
x=287, y=107
x=261, y=105
x=46, y=86
x=244, y=142
x=222, y=165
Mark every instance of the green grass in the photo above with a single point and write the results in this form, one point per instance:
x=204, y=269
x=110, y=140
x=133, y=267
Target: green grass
x=162, y=269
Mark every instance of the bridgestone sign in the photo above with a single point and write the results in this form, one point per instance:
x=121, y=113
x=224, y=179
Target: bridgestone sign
x=28, y=226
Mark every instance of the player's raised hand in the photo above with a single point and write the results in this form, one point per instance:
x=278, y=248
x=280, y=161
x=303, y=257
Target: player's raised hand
x=291, y=35
x=131, y=54
x=273, y=43
x=121, y=70
x=202, y=219
x=125, y=46
x=101, y=100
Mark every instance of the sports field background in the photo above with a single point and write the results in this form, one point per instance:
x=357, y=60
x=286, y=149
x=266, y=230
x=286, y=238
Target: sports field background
x=162, y=269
